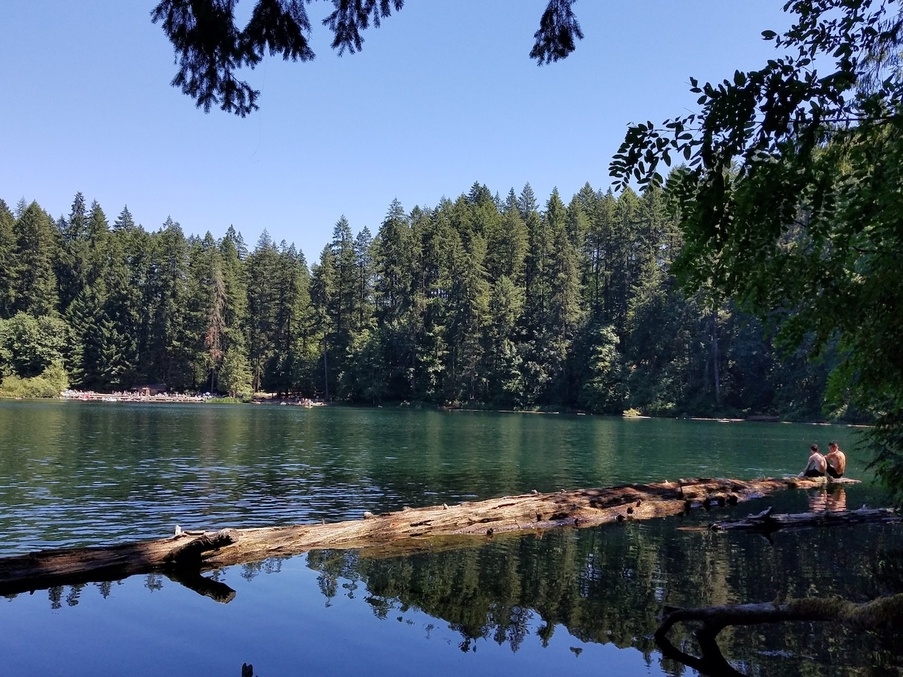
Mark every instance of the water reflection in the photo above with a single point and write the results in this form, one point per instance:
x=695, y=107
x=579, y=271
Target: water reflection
x=88, y=475
x=608, y=586
x=828, y=499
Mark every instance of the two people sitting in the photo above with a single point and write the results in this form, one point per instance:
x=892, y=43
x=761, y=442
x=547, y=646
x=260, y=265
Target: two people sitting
x=833, y=464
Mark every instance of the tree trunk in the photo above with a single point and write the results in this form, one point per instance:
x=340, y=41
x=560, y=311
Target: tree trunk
x=404, y=531
x=766, y=522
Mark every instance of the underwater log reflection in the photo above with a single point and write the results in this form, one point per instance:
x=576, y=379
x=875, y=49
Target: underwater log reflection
x=610, y=586
x=604, y=586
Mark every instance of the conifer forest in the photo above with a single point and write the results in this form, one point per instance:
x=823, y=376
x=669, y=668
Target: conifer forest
x=480, y=301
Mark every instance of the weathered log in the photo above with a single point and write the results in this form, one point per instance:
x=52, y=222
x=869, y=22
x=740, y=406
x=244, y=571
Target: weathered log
x=766, y=522
x=392, y=532
x=188, y=555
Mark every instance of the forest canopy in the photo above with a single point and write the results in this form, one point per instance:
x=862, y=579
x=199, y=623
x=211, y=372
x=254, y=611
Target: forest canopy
x=480, y=301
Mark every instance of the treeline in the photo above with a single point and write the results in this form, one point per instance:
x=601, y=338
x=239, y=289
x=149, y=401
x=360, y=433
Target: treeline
x=480, y=301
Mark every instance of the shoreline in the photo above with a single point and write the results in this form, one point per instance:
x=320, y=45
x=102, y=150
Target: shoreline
x=271, y=399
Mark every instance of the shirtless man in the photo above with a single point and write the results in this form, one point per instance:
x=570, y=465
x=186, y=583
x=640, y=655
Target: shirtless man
x=836, y=461
x=816, y=465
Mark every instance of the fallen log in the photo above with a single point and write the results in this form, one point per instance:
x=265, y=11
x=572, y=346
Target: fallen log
x=766, y=522
x=396, y=532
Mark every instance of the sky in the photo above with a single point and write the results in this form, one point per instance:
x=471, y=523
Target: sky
x=442, y=95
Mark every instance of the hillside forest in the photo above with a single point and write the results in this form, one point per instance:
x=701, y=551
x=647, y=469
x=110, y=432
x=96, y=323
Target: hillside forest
x=480, y=301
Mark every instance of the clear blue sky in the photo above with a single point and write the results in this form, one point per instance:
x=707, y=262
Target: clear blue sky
x=442, y=95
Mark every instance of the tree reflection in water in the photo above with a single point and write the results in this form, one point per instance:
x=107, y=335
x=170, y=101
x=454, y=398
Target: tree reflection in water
x=609, y=585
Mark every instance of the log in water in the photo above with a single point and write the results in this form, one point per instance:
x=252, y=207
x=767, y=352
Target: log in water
x=186, y=554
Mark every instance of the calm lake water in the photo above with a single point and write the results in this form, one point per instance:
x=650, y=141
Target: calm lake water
x=576, y=601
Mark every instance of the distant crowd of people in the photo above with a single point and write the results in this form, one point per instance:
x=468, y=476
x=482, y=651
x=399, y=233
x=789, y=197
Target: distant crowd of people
x=833, y=464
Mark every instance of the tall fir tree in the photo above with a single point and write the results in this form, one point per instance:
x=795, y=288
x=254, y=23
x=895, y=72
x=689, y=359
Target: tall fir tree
x=395, y=255
x=33, y=278
x=7, y=261
x=171, y=345
x=262, y=266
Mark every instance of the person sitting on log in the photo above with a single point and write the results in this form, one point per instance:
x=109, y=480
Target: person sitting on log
x=836, y=461
x=816, y=466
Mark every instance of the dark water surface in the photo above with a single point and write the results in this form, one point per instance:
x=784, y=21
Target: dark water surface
x=572, y=601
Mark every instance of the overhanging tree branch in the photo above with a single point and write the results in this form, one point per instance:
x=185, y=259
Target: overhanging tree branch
x=210, y=48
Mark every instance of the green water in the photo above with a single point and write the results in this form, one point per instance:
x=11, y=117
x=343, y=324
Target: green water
x=574, y=600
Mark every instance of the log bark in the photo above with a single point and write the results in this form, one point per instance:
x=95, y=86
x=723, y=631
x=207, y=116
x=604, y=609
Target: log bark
x=391, y=533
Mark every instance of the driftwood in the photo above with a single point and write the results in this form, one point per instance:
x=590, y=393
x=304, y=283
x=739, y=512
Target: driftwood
x=766, y=522
x=881, y=612
x=186, y=555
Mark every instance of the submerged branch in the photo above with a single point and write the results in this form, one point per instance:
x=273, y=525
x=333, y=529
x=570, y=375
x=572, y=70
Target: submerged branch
x=883, y=612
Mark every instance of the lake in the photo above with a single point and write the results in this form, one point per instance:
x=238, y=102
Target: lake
x=577, y=601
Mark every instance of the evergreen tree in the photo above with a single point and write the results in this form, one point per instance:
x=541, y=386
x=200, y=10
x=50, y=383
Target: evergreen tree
x=503, y=361
x=85, y=317
x=132, y=295
x=121, y=316
x=323, y=285
x=394, y=260
x=206, y=312
x=537, y=282
x=171, y=346
x=262, y=267
x=292, y=365
x=345, y=299
x=235, y=374
x=7, y=261
x=598, y=253
x=603, y=391
x=435, y=237
x=232, y=252
x=340, y=282
x=34, y=282
x=124, y=221
x=506, y=244
x=566, y=313
x=95, y=362
x=467, y=317
x=73, y=252
x=623, y=252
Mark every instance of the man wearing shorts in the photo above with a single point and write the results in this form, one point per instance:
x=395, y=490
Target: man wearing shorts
x=816, y=466
x=835, y=460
